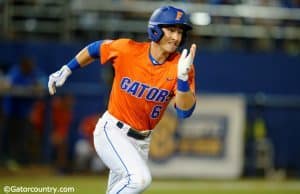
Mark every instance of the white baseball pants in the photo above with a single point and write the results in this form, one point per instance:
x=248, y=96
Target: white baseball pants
x=125, y=156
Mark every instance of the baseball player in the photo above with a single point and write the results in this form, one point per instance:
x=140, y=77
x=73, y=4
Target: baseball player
x=147, y=76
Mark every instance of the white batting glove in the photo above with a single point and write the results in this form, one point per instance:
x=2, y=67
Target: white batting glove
x=58, y=78
x=185, y=63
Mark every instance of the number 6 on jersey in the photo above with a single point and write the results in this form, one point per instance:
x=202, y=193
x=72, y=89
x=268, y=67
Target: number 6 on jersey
x=155, y=111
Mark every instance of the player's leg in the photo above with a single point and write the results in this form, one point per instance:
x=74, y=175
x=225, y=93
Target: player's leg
x=143, y=149
x=113, y=178
x=130, y=173
x=129, y=170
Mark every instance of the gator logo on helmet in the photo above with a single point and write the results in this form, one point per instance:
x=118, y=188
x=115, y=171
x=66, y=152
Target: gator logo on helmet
x=178, y=15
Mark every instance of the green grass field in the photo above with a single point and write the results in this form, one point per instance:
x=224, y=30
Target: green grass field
x=97, y=184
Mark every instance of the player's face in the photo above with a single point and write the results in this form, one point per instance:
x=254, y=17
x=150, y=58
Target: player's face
x=171, y=39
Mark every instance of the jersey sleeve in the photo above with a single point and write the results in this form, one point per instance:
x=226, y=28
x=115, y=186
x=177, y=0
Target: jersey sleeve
x=108, y=51
x=111, y=49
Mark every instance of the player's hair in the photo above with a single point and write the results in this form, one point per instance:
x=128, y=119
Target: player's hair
x=167, y=16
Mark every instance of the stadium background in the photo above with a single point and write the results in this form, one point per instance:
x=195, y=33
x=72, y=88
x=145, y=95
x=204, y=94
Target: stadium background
x=249, y=48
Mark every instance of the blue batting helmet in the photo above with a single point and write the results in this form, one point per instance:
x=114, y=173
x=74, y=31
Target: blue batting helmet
x=166, y=16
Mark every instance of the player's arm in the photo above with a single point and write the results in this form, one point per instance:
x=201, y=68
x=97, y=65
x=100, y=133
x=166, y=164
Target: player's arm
x=185, y=99
x=86, y=56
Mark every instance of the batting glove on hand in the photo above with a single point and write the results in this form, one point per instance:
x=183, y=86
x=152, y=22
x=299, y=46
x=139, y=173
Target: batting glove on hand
x=58, y=78
x=185, y=63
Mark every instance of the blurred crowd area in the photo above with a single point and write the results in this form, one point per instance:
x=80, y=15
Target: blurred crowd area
x=36, y=129
x=258, y=26
x=277, y=3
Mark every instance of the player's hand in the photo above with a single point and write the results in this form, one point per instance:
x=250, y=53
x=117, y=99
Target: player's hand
x=185, y=63
x=58, y=78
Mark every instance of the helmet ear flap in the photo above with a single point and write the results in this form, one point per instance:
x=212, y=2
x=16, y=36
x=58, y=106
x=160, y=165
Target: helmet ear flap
x=155, y=33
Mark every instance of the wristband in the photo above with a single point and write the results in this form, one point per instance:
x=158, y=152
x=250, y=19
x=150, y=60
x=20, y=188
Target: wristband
x=185, y=113
x=73, y=64
x=182, y=86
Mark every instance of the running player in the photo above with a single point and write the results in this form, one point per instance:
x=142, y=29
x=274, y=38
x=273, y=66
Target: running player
x=147, y=76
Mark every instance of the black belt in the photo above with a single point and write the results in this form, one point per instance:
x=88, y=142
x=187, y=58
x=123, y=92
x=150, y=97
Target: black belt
x=134, y=133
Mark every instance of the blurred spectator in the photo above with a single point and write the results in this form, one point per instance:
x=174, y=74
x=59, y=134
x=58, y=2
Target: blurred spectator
x=85, y=154
x=62, y=114
x=37, y=118
x=25, y=83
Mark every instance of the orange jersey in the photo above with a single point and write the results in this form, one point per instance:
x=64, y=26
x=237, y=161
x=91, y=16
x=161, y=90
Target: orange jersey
x=141, y=91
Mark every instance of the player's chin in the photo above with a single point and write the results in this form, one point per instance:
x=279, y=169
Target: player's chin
x=171, y=48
